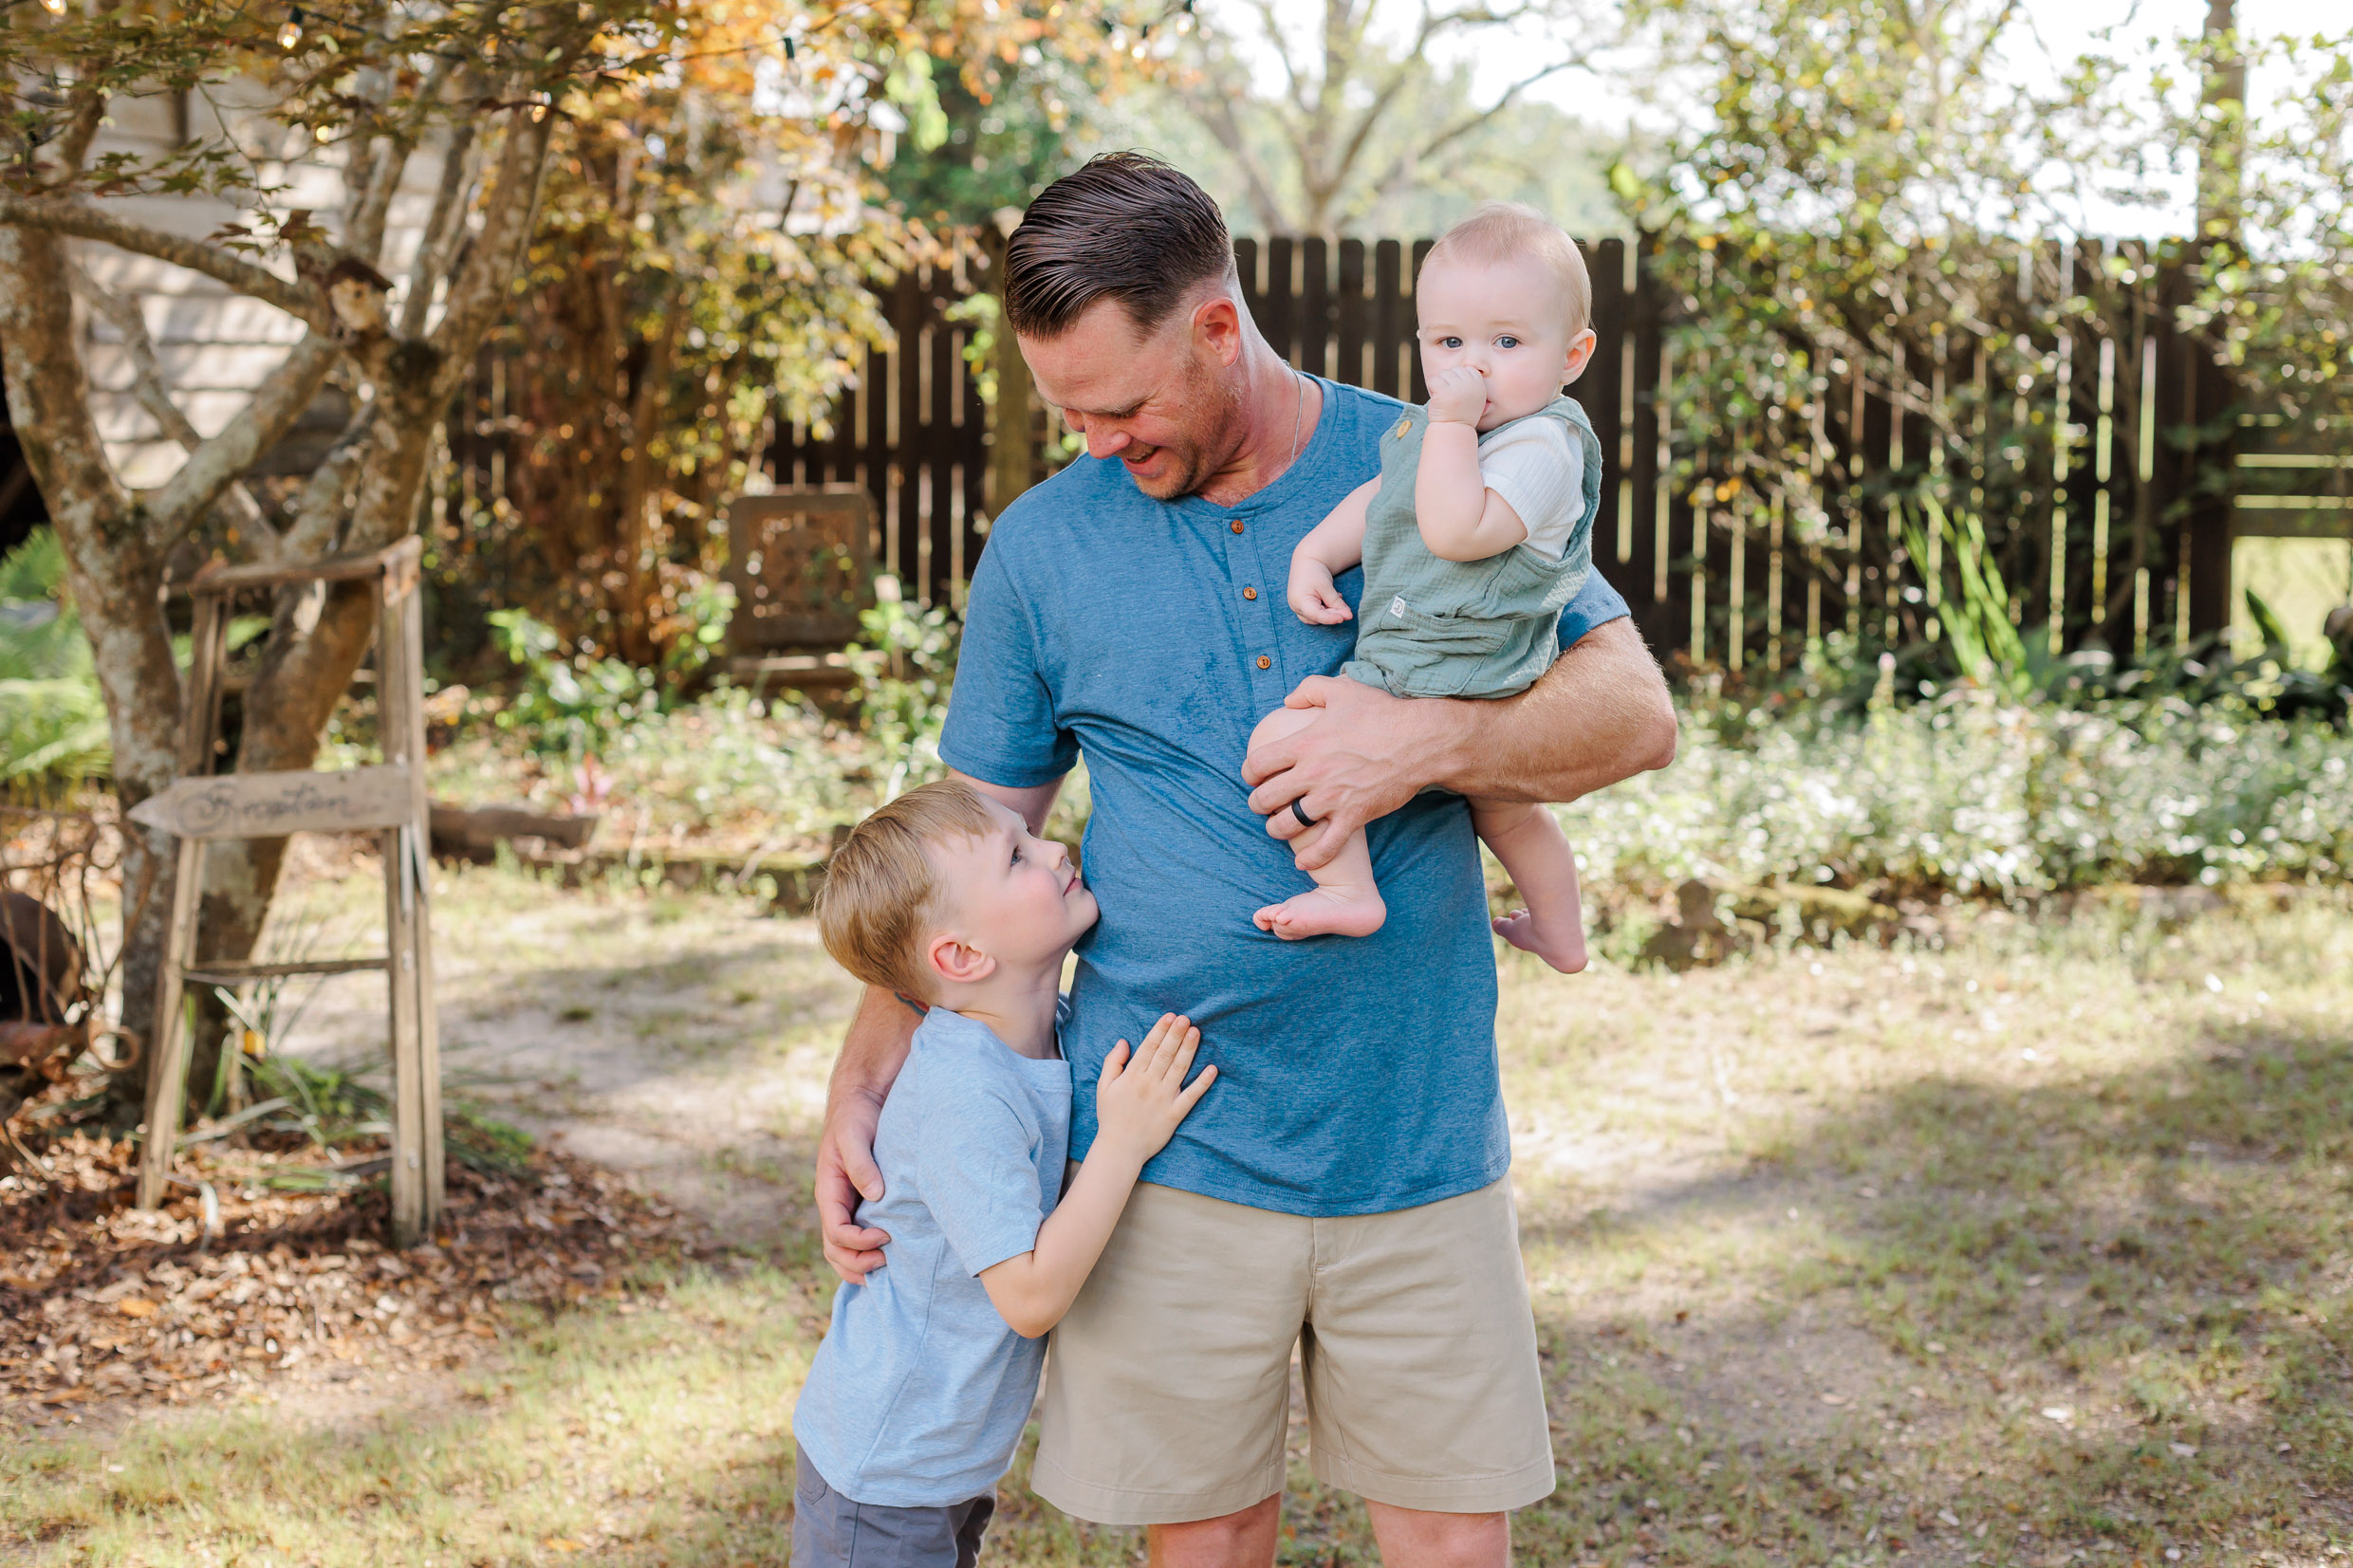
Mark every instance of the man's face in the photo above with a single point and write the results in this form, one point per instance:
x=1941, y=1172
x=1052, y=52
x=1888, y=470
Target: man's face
x=1014, y=896
x=1161, y=402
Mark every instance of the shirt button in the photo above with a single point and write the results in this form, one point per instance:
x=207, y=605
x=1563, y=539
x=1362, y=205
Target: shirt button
x=1250, y=593
x=1237, y=525
x=1265, y=663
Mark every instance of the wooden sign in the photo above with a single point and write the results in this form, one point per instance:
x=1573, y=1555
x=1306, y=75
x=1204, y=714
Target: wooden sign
x=269, y=806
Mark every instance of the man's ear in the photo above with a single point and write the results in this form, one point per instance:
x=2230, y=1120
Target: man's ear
x=1218, y=327
x=1579, y=355
x=954, y=960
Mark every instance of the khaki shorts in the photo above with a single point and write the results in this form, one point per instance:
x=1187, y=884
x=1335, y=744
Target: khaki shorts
x=1168, y=1386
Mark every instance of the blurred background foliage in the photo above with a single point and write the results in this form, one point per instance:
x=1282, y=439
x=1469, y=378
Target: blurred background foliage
x=1843, y=183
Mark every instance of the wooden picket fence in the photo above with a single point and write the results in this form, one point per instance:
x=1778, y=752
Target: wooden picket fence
x=2107, y=478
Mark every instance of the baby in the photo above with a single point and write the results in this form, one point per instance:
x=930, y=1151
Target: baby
x=919, y=1391
x=1477, y=533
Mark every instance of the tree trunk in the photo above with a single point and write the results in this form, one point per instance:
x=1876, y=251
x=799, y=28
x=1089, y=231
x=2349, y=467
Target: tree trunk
x=116, y=577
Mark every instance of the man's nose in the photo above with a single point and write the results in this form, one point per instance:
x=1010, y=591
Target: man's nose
x=1103, y=441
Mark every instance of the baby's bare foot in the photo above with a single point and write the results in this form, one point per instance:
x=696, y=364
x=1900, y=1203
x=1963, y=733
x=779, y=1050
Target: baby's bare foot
x=1527, y=931
x=1326, y=912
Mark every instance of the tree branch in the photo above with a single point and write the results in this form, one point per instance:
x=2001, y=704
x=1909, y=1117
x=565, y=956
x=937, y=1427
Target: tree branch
x=57, y=215
x=89, y=112
x=1216, y=115
x=436, y=242
x=213, y=466
x=152, y=389
x=478, y=293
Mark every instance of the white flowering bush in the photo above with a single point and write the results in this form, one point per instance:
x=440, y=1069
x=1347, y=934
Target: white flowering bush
x=1979, y=796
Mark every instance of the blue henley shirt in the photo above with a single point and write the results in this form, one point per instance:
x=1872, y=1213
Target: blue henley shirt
x=1356, y=1076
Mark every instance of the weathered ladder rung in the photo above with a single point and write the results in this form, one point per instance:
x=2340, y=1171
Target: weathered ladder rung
x=241, y=974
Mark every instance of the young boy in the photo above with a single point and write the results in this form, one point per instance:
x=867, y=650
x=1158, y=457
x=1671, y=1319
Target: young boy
x=1475, y=534
x=921, y=1389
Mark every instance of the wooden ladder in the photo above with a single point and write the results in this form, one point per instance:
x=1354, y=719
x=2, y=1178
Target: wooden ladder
x=199, y=809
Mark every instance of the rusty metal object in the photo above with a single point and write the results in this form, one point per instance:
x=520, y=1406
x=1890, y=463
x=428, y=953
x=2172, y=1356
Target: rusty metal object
x=56, y=871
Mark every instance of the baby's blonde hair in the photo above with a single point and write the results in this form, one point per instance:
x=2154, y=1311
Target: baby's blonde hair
x=1505, y=231
x=883, y=891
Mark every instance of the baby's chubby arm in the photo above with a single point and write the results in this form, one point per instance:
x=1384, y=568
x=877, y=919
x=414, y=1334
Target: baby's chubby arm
x=1137, y=1105
x=1459, y=517
x=1332, y=548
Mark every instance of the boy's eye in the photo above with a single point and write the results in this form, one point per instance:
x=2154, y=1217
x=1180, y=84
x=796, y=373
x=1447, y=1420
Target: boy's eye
x=1016, y=855
x=1450, y=342
x=1506, y=341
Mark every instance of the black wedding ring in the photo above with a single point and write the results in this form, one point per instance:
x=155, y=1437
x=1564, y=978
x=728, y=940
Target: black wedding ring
x=1305, y=820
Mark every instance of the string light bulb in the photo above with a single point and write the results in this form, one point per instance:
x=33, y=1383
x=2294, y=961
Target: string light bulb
x=290, y=30
x=55, y=8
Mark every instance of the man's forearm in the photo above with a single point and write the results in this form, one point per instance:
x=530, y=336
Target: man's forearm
x=873, y=1049
x=1599, y=714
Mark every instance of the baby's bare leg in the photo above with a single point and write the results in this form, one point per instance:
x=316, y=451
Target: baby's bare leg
x=1535, y=850
x=1347, y=901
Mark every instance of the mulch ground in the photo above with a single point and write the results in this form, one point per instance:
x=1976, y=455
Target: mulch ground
x=270, y=1261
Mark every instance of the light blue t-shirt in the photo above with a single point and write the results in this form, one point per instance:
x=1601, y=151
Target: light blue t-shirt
x=918, y=1393
x=1356, y=1076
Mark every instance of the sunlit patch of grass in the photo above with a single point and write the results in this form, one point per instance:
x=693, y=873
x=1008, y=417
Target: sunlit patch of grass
x=654, y=1432
x=2044, y=1229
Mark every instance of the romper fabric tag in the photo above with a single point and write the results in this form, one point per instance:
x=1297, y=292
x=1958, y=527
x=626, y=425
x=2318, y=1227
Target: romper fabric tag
x=1396, y=606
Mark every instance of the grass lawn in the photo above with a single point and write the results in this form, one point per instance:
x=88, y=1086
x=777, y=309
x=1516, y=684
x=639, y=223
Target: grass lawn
x=2033, y=1249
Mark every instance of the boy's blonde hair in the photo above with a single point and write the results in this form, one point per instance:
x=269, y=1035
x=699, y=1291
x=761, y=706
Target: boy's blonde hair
x=1505, y=231
x=882, y=892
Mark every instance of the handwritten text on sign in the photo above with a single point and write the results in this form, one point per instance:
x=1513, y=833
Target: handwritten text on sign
x=269, y=806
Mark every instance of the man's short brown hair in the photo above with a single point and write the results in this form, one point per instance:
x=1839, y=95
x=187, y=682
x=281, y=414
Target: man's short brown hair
x=1124, y=227
x=883, y=891
x=1504, y=231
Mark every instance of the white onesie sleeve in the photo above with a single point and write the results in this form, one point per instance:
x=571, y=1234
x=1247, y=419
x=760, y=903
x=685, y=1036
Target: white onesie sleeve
x=1538, y=468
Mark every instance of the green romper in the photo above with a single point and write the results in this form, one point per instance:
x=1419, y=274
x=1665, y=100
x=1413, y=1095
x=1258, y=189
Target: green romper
x=1427, y=627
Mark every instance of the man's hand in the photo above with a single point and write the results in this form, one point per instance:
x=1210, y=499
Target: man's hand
x=1458, y=396
x=846, y=1172
x=1366, y=754
x=1314, y=597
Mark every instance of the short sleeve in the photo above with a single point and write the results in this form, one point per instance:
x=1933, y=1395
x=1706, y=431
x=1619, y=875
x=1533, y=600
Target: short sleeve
x=1595, y=604
x=979, y=1178
x=1001, y=727
x=1540, y=472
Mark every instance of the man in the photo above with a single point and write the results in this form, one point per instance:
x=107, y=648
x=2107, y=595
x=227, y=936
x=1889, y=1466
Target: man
x=1343, y=1188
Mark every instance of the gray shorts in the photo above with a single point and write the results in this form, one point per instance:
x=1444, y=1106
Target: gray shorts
x=831, y=1531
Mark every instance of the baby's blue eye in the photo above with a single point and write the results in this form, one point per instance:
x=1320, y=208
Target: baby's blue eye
x=1506, y=341
x=1450, y=342
x=1016, y=855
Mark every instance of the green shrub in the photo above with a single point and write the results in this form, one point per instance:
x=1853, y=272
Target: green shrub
x=1977, y=794
x=52, y=718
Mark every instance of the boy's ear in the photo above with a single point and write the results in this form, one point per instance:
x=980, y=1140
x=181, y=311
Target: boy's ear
x=955, y=962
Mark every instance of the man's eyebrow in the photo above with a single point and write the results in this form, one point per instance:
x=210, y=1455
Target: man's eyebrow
x=1106, y=412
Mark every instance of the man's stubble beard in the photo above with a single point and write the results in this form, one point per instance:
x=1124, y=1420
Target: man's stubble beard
x=1221, y=437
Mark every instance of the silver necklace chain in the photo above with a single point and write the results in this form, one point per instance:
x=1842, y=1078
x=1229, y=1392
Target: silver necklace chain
x=1299, y=409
